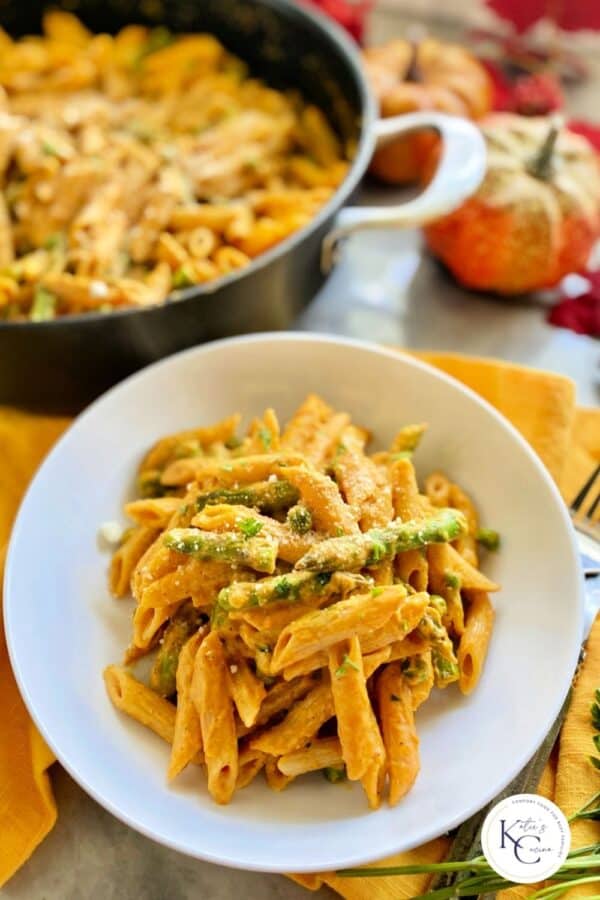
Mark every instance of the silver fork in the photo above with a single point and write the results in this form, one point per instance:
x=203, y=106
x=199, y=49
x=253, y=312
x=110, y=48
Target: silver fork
x=588, y=531
x=588, y=542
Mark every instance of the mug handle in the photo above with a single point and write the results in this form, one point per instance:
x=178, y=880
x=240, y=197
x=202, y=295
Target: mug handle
x=459, y=173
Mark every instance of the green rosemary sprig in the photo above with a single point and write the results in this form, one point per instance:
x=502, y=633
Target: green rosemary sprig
x=591, y=810
x=582, y=866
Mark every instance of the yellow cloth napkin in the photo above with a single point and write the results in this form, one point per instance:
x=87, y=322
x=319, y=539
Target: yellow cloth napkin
x=541, y=405
x=27, y=808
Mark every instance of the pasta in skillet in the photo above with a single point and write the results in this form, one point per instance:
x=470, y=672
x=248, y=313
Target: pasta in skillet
x=135, y=165
x=301, y=597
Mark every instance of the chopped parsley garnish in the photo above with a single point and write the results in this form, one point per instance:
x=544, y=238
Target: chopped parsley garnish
x=335, y=775
x=489, y=539
x=376, y=591
x=283, y=588
x=250, y=527
x=346, y=664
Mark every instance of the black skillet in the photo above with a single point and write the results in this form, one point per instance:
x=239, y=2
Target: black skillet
x=61, y=365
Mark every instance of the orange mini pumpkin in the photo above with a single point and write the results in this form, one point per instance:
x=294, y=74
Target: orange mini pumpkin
x=535, y=217
x=429, y=75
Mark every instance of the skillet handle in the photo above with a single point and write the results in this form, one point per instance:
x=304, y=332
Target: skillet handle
x=458, y=175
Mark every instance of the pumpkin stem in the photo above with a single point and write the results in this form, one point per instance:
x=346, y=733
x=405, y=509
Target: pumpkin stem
x=542, y=164
x=413, y=72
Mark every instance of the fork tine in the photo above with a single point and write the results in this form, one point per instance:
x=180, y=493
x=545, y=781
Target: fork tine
x=579, y=499
x=593, y=507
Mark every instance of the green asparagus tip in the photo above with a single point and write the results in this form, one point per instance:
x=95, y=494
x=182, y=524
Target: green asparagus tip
x=489, y=539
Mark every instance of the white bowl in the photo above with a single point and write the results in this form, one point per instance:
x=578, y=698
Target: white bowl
x=63, y=627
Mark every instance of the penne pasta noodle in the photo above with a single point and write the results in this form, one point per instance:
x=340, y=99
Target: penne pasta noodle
x=467, y=544
x=245, y=470
x=282, y=696
x=250, y=763
x=315, y=631
x=308, y=419
x=412, y=568
x=199, y=579
x=407, y=502
x=300, y=724
x=211, y=696
x=154, y=512
x=319, y=754
x=400, y=624
x=156, y=562
x=247, y=691
x=387, y=648
x=362, y=484
x=141, y=703
x=321, y=496
x=474, y=642
x=128, y=556
x=187, y=735
x=148, y=619
x=372, y=661
x=276, y=779
x=449, y=568
x=437, y=488
x=395, y=703
x=325, y=439
x=357, y=727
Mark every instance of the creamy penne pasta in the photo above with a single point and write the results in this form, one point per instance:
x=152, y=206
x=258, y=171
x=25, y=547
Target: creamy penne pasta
x=298, y=597
x=139, y=164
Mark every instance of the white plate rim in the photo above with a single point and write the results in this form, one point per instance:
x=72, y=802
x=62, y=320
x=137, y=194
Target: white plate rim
x=356, y=858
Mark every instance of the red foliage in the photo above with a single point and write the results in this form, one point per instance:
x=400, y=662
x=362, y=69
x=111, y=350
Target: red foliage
x=588, y=130
x=582, y=312
x=570, y=15
x=350, y=16
x=528, y=95
x=537, y=95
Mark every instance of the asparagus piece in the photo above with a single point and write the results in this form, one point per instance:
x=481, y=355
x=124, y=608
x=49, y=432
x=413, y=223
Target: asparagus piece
x=443, y=658
x=265, y=496
x=184, y=623
x=408, y=438
x=489, y=539
x=372, y=547
x=292, y=588
x=258, y=553
x=415, y=669
x=149, y=484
